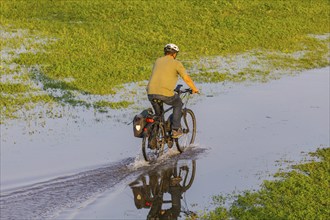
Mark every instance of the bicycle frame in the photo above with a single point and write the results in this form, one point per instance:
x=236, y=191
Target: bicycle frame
x=161, y=119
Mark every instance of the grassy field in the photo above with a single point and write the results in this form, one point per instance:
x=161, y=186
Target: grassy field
x=94, y=46
x=302, y=192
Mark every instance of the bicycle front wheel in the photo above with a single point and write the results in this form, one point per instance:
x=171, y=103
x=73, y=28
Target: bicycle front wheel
x=188, y=124
x=153, y=143
x=186, y=169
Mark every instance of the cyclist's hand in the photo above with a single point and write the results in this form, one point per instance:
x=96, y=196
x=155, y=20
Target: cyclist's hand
x=195, y=91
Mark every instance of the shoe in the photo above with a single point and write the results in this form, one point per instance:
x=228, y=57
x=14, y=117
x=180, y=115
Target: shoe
x=177, y=133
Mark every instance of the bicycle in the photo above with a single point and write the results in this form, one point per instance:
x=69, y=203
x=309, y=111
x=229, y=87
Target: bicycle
x=158, y=131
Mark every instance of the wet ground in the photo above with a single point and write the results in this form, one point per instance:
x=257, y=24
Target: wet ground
x=74, y=169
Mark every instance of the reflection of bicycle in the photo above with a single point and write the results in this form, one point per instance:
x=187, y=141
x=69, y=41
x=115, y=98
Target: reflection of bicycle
x=159, y=135
x=149, y=190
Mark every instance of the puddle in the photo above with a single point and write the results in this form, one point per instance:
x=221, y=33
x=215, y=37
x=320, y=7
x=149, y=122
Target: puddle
x=83, y=169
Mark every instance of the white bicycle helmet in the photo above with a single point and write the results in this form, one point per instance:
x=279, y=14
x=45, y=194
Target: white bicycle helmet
x=171, y=47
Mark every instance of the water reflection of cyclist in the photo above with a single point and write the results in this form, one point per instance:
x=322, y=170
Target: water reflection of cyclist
x=152, y=195
x=162, y=82
x=171, y=185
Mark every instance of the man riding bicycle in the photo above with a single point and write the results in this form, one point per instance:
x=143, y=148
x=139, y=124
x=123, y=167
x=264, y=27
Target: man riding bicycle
x=162, y=82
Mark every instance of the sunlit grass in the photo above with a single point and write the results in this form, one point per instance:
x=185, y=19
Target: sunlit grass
x=299, y=193
x=100, y=45
x=113, y=105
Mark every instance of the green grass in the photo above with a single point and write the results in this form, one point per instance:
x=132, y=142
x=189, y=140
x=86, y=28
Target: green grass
x=19, y=103
x=301, y=192
x=101, y=105
x=102, y=44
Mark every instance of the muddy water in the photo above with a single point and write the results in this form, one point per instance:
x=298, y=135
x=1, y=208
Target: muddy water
x=88, y=170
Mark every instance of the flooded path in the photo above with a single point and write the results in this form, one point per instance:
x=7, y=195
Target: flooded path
x=45, y=200
x=90, y=173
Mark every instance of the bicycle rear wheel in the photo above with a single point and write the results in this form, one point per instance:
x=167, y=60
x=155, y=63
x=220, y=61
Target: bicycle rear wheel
x=188, y=124
x=153, y=143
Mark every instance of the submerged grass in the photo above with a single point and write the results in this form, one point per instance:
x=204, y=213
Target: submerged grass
x=114, y=105
x=100, y=45
x=299, y=193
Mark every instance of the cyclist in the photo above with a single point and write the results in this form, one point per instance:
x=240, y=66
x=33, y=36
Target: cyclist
x=162, y=82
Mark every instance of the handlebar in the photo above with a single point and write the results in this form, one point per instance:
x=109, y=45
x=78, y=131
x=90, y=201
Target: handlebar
x=179, y=91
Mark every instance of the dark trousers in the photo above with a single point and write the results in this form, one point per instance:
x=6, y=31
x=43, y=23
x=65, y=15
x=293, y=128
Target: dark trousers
x=174, y=101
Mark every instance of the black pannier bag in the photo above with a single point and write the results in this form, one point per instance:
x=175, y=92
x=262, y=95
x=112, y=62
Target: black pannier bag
x=142, y=196
x=139, y=122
